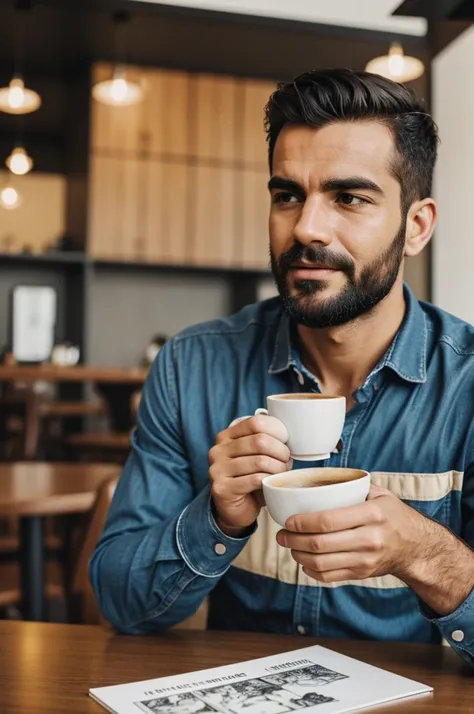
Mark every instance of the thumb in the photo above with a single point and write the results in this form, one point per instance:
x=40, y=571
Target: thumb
x=378, y=492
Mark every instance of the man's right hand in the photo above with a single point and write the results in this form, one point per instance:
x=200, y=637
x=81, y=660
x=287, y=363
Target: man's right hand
x=241, y=458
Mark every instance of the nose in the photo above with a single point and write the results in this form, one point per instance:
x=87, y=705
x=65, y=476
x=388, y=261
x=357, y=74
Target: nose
x=314, y=225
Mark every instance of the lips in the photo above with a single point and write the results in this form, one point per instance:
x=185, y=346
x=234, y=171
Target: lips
x=313, y=266
x=316, y=271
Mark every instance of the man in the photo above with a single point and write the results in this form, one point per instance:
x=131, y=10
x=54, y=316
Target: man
x=351, y=158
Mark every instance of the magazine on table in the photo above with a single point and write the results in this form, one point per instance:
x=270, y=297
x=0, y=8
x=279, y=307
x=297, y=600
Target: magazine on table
x=312, y=679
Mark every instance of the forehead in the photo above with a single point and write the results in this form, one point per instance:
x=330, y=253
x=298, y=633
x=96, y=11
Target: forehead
x=341, y=149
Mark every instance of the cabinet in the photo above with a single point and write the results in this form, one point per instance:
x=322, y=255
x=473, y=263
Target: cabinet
x=181, y=177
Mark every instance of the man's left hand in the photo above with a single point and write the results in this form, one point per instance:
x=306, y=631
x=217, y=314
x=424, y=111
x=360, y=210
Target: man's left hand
x=378, y=537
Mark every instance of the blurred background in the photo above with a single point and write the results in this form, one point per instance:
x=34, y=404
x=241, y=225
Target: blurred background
x=133, y=203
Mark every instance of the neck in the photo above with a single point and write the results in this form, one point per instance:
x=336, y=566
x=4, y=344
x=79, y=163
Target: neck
x=341, y=358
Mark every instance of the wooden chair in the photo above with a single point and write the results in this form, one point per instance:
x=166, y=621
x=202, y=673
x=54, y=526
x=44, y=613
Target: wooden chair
x=19, y=426
x=29, y=421
x=103, y=446
x=84, y=604
x=26, y=422
x=10, y=584
x=77, y=590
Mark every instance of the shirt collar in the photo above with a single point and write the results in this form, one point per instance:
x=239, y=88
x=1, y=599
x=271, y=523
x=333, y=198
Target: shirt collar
x=406, y=355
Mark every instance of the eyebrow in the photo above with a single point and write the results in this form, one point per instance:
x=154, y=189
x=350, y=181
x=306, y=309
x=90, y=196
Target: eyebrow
x=349, y=183
x=285, y=184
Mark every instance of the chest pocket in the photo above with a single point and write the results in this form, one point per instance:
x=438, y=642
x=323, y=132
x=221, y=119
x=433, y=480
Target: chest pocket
x=436, y=495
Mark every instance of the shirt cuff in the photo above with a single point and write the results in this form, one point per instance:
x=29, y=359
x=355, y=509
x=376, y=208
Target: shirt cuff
x=205, y=549
x=457, y=628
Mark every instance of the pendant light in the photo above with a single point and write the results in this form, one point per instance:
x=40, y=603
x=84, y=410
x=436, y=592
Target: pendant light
x=396, y=65
x=16, y=98
x=9, y=198
x=19, y=162
x=118, y=91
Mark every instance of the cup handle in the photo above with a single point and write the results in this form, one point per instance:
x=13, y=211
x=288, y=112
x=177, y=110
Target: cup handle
x=239, y=419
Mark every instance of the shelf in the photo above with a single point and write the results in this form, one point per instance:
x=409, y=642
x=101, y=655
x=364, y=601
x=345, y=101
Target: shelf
x=46, y=259
x=81, y=259
x=121, y=265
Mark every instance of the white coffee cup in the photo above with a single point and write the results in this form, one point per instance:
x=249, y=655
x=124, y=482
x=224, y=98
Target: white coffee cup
x=291, y=493
x=314, y=422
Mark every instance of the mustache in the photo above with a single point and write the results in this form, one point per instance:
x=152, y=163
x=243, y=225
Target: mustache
x=299, y=253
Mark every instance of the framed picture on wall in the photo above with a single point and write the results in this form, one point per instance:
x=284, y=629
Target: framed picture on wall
x=33, y=322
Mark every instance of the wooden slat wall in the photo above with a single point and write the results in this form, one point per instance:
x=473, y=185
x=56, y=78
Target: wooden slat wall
x=255, y=97
x=255, y=206
x=181, y=177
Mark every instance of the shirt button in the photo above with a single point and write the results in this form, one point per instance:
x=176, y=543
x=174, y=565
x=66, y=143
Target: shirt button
x=301, y=629
x=458, y=635
x=376, y=386
x=220, y=548
x=299, y=376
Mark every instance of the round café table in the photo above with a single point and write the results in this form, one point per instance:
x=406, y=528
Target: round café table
x=33, y=491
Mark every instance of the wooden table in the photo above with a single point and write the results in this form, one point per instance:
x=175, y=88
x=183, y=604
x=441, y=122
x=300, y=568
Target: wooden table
x=48, y=669
x=116, y=384
x=33, y=491
x=80, y=373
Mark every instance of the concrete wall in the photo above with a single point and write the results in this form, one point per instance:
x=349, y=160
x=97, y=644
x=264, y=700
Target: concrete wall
x=129, y=307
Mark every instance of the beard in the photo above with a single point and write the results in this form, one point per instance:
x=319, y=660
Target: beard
x=360, y=294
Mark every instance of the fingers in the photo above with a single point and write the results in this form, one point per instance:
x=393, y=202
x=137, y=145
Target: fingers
x=378, y=491
x=364, y=538
x=260, y=424
x=339, y=519
x=330, y=561
x=243, y=455
x=256, y=444
x=229, y=488
x=331, y=576
x=244, y=465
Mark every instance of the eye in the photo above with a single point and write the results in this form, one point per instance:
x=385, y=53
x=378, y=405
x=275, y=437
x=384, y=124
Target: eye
x=348, y=199
x=285, y=197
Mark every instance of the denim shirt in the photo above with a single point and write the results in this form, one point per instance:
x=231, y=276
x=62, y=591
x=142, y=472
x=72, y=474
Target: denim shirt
x=161, y=553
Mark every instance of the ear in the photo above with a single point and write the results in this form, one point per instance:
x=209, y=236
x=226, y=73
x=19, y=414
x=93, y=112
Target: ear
x=421, y=221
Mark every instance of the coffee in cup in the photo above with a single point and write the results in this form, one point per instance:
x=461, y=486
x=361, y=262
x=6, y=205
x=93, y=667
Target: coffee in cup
x=314, y=478
x=314, y=489
x=314, y=422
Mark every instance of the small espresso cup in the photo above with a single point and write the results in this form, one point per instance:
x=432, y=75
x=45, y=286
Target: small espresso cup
x=314, y=489
x=314, y=422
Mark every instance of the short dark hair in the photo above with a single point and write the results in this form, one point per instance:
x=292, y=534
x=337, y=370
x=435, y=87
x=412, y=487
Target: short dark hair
x=321, y=97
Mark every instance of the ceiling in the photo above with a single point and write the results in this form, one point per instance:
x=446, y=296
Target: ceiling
x=440, y=9
x=62, y=39
x=370, y=14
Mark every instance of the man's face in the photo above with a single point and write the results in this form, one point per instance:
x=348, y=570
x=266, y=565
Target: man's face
x=337, y=234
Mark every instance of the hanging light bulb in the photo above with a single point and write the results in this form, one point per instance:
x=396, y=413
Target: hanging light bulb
x=118, y=91
x=396, y=65
x=17, y=99
x=19, y=162
x=9, y=198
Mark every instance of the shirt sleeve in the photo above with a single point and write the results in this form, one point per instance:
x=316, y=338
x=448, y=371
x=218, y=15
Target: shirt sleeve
x=457, y=628
x=161, y=551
